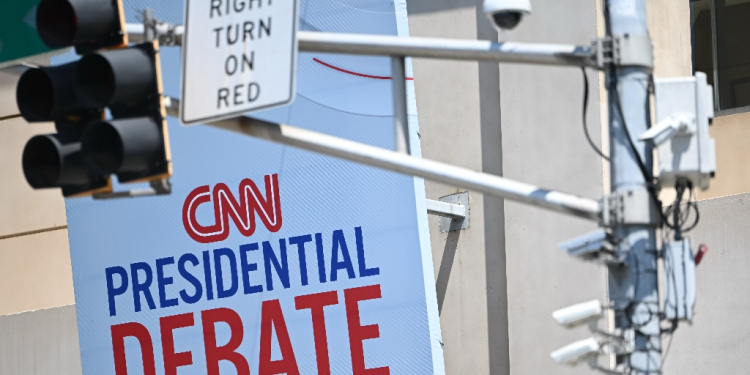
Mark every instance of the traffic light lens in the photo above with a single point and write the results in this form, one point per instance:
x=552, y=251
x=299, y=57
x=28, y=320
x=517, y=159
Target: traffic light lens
x=96, y=79
x=54, y=160
x=56, y=22
x=102, y=146
x=117, y=77
x=41, y=162
x=123, y=146
x=35, y=95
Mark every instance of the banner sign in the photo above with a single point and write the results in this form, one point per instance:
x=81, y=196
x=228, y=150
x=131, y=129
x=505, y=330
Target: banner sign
x=238, y=56
x=267, y=259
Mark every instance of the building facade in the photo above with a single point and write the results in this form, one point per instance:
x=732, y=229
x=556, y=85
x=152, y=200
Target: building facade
x=499, y=280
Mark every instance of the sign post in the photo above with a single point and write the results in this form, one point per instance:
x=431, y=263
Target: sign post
x=237, y=57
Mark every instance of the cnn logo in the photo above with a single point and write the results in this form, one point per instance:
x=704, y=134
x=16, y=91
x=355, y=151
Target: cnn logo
x=226, y=205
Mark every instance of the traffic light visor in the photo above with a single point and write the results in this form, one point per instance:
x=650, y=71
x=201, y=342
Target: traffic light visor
x=123, y=146
x=53, y=160
x=56, y=23
x=117, y=77
x=35, y=95
x=86, y=24
x=48, y=94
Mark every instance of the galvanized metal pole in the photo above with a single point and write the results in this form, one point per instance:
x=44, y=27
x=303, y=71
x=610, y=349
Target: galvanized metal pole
x=428, y=48
x=633, y=289
x=398, y=162
x=149, y=33
x=400, y=116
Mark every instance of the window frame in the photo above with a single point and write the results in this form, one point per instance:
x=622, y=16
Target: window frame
x=715, y=57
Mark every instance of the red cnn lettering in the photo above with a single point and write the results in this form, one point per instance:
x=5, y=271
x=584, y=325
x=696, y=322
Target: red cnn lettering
x=272, y=319
x=228, y=352
x=119, y=332
x=316, y=302
x=357, y=332
x=226, y=206
x=167, y=326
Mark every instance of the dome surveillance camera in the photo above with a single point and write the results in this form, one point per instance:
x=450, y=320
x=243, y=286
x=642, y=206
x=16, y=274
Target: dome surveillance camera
x=506, y=14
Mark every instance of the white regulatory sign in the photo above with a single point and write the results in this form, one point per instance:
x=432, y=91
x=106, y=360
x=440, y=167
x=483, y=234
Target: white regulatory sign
x=237, y=56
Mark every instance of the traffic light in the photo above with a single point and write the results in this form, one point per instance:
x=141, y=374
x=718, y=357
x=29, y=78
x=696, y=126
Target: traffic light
x=55, y=160
x=88, y=25
x=133, y=144
x=88, y=148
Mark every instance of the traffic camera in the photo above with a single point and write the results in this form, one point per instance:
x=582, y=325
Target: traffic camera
x=506, y=14
x=684, y=109
x=598, y=246
x=577, y=352
x=578, y=314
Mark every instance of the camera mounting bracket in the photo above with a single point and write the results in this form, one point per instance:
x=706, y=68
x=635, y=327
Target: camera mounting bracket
x=624, y=50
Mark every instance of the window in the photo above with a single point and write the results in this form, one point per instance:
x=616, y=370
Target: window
x=721, y=49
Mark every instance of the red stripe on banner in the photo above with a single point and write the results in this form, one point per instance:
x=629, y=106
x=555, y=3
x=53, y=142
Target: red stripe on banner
x=354, y=73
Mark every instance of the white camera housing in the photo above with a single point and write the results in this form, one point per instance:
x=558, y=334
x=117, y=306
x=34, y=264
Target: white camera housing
x=590, y=246
x=575, y=353
x=684, y=108
x=679, y=265
x=506, y=14
x=576, y=315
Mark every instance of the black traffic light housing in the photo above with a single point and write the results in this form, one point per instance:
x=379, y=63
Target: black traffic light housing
x=134, y=143
x=127, y=80
x=88, y=25
x=48, y=94
x=55, y=160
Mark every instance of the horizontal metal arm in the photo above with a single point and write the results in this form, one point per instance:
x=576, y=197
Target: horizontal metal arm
x=435, y=48
x=168, y=34
x=401, y=163
x=452, y=49
x=445, y=209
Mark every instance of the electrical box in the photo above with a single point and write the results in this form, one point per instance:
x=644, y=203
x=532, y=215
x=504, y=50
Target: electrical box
x=679, y=273
x=684, y=108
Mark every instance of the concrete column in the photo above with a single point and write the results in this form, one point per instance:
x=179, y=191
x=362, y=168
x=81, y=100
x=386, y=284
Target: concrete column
x=499, y=280
x=459, y=115
x=543, y=143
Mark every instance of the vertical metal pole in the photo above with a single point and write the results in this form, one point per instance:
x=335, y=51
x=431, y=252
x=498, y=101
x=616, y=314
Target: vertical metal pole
x=400, y=116
x=149, y=33
x=633, y=288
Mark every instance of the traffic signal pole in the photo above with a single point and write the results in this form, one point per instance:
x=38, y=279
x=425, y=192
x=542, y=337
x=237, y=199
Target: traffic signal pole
x=570, y=204
x=633, y=289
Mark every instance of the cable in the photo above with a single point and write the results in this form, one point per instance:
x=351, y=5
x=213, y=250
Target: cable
x=646, y=175
x=613, y=90
x=649, y=179
x=692, y=203
x=683, y=214
x=585, y=109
